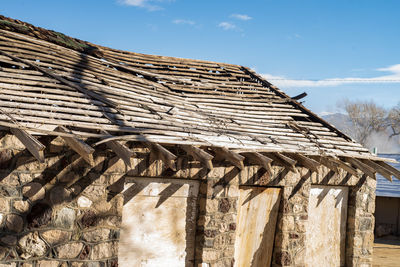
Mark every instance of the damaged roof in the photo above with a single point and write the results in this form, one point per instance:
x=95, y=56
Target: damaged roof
x=48, y=79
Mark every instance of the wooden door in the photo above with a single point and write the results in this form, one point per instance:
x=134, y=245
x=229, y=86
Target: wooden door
x=256, y=223
x=326, y=227
x=158, y=223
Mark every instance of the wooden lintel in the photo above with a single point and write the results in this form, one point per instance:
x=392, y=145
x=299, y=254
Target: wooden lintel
x=382, y=170
x=161, y=153
x=121, y=151
x=393, y=170
x=305, y=161
x=80, y=147
x=345, y=166
x=199, y=154
x=361, y=166
x=233, y=157
x=259, y=159
x=31, y=143
x=327, y=162
x=284, y=160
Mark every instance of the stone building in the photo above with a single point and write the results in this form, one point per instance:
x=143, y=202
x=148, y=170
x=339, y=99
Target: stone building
x=113, y=158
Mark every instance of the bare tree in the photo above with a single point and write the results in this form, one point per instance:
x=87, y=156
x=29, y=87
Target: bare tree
x=394, y=120
x=366, y=117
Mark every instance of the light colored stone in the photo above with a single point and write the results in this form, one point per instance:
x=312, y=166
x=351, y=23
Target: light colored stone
x=96, y=235
x=84, y=202
x=102, y=206
x=56, y=236
x=104, y=251
x=31, y=245
x=77, y=264
x=11, y=264
x=21, y=206
x=27, y=264
x=65, y=218
x=2, y=216
x=9, y=240
x=70, y=250
x=14, y=223
x=33, y=191
x=47, y=264
x=3, y=252
x=4, y=205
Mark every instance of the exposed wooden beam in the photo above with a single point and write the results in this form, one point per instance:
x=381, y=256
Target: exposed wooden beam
x=284, y=160
x=121, y=151
x=345, y=166
x=390, y=168
x=330, y=164
x=161, y=153
x=80, y=147
x=199, y=154
x=259, y=159
x=305, y=161
x=233, y=157
x=361, y=166
x=31, y=143
x=382, y=170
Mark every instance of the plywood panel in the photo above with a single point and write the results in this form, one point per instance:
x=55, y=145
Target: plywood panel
x=258, y=212
x=158, y=223
x=326, y=227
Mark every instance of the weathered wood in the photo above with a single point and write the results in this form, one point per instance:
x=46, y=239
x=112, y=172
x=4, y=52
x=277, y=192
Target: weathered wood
x=121, y=150
x=361, y=166
x=345, y=166
x=393, y=170
x=327, y=162
x=233, y=157
x=199, y=154
x=80, y=147
x=159, y=152
x=381, y=169
x=305, y=161
x=259, y=159
x=284, y=160
x=31, y=143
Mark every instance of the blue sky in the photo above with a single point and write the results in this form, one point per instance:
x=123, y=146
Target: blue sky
x=330, y=49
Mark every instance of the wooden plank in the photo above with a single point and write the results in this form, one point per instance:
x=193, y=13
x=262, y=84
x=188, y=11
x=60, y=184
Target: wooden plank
x=80, y=147
x=345, y=166
x=382, y=170
x=159, y=152
x=284, y=160
x=361, y=166
x=256, y=223
x=120, y=150
x=390, y=168
x=199, y=154
x=305, y=161
x=233, y=157
x=333, y=166
x=260, y=160
x=31, y=143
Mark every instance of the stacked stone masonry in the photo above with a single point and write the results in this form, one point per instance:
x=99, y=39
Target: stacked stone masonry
x=66, y=213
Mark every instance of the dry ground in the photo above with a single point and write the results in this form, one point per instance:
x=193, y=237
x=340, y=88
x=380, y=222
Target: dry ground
x=387, y=252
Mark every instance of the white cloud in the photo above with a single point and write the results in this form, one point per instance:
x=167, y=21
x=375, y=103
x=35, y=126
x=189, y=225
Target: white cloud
x=227, y=26
x=151, y=5
x=393, y=77
x=241, y=16
x=183, y=21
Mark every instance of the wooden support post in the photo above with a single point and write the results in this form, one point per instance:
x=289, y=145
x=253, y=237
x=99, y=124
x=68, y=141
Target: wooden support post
x=390, y=168
x=199, y=154
x=121, y=151
x=284, y=160
x=31, y=143
x=80, y=147
x=233, y=157
x=361, y=166
x=259, y=159
x=382, y=170
x=159, y=152
x=345, y=166
x=305, y=161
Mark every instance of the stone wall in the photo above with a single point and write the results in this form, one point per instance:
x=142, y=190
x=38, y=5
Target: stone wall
x=65, y=213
